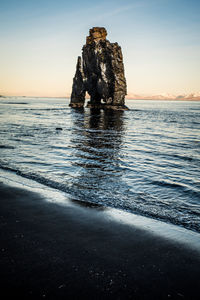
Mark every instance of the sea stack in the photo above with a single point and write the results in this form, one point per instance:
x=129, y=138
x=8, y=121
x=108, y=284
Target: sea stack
x=100, y=72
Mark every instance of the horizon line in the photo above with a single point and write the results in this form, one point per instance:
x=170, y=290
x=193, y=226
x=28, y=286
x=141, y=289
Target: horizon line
x=127, y=97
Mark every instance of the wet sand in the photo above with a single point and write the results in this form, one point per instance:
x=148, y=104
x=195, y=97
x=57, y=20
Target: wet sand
x=49, y=251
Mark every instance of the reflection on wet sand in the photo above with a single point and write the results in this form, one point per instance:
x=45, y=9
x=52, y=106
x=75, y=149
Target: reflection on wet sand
x=95, y=206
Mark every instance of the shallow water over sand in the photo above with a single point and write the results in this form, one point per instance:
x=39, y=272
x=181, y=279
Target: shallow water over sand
x=145, y=160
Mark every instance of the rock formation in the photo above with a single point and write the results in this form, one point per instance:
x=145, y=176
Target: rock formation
x=100, y=72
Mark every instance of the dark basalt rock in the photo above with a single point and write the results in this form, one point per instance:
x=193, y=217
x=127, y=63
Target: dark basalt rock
x=100, y=72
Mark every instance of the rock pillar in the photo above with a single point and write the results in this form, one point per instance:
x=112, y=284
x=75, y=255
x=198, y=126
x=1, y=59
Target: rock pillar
x=100, y=72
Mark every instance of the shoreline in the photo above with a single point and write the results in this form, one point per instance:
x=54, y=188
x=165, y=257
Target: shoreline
x=50, y=194
x=56, y=251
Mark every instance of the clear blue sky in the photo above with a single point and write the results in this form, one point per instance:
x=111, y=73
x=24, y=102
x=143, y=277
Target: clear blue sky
x=40, y=42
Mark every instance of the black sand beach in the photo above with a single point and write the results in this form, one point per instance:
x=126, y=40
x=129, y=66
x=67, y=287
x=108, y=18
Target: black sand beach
x=50, y=251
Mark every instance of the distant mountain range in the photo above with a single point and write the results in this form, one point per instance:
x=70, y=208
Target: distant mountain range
x=131, y=96
x=193, y=96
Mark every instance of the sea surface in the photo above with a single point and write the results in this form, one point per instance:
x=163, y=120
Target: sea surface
x=145, y=160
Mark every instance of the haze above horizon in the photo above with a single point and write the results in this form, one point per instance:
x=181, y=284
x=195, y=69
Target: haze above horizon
x=40, y=42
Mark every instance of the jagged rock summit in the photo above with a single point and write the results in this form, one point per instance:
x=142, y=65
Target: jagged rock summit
x=100, y=72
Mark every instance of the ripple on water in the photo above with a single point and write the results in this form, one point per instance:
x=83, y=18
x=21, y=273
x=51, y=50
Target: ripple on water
x=144, y=160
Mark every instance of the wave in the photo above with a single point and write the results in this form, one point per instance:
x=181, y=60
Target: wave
x=177, y=185
x=47, y=109
x=141, y=204
x=6, y=147
x=183, y=157
x=14, y=102
x=39, y=179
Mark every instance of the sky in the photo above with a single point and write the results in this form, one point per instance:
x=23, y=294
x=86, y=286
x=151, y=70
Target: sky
x=41, y=39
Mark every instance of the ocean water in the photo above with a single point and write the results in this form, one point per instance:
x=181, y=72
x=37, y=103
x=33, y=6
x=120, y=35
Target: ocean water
x=145, y=160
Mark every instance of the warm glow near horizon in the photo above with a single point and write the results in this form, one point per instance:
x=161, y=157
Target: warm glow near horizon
x=40, y=42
